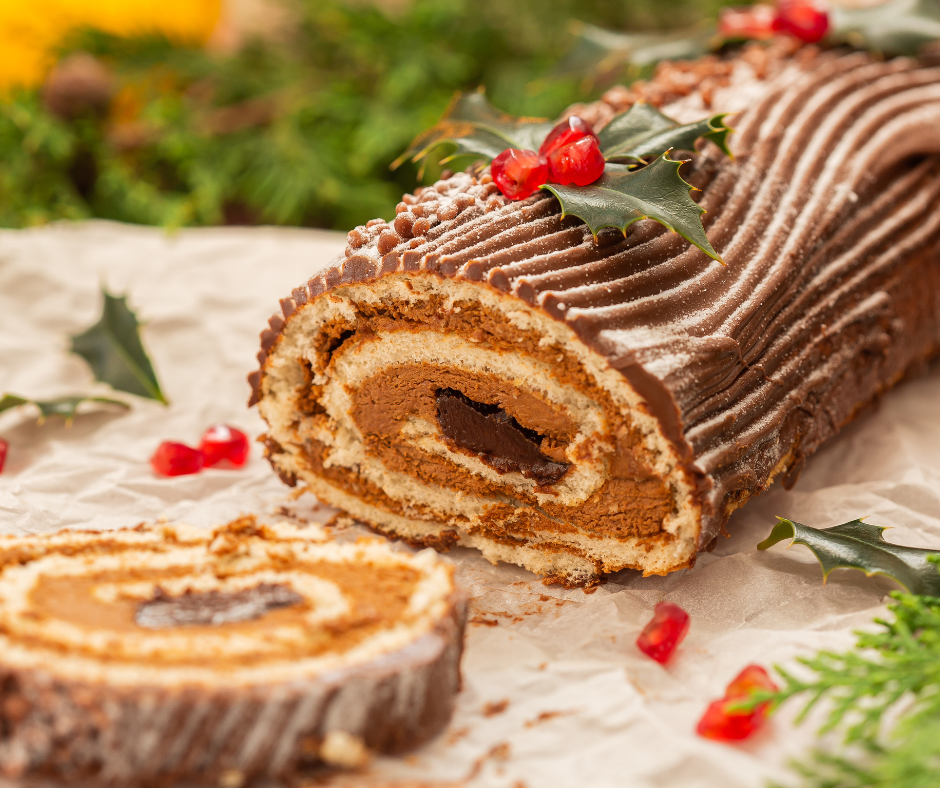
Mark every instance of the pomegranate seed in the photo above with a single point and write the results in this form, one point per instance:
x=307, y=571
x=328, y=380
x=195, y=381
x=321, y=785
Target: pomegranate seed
x=519, y=173
x=580, y=163
x=723, y=723
x=176, y=459
x=804, y=19
x=222, y=443
x=756, y=21
x=4, y=447
x=664, y=633
x=750, y=680
x=566, y=132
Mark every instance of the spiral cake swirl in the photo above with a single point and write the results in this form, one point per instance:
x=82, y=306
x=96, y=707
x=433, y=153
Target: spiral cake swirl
x=150, y=655
x=486, y=373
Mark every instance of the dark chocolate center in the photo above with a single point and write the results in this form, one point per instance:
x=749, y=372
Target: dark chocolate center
x=499, y=440
x=199, y=608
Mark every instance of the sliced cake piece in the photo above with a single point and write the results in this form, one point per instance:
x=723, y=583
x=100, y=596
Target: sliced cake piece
x=487, y=373
x=168, y=653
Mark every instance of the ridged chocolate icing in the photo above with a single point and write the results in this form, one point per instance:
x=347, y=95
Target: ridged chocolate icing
x=827, y=218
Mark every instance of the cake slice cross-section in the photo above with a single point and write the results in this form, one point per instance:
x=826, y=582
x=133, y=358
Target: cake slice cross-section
x=487, y=373
x=169, y=654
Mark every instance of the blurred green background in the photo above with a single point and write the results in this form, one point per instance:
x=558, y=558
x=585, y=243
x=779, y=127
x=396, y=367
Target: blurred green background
x=296, y=127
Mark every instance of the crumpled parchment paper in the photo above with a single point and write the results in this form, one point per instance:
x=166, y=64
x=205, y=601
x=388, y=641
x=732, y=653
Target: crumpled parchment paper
x=555, y=692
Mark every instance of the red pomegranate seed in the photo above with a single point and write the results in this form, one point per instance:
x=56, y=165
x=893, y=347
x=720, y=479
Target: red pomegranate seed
x=4, y=447
x=221, y=442
x=722, y=722
x=750, y=680
x=176, y=459
x=756, y=21
x=804, y=19
x=519, y=173
x=664, y=633
x=570, y=130
x=580, y=163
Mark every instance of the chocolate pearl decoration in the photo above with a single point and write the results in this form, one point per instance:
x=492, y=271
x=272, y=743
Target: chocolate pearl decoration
x=420, y=227
x=388, y=240
x=357, y=237
x=403, y=224
x=448, y=212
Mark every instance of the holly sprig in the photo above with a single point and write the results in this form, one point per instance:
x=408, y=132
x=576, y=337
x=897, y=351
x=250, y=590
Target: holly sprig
x=639, y=181
x=893, y=673
x=63, y=407
x=114, y=350
x=888, y=28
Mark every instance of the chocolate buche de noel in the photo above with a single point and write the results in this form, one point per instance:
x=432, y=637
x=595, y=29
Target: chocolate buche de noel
x=170, y=654
x=486, y=373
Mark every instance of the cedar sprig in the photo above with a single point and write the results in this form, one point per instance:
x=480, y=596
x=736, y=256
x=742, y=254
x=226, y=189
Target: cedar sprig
x=891, y=678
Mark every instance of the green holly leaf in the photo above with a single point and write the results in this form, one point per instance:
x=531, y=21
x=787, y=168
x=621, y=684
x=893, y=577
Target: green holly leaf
x=473, y=128
x=860, y=545
x=66, y=407
x=623, y=196
x=113, y=349
x=599, y=54
x=643, y=131
x=899, y=27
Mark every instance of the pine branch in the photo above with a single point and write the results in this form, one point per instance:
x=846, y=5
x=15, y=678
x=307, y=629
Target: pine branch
x=894, y=673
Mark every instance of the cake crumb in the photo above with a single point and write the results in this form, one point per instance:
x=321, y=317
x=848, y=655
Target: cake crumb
x=340, y=748
x=231, y=778
x=493, y=708
x=455, y=736
x=545, y=716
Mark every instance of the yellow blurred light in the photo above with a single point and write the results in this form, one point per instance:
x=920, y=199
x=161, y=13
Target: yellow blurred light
x=31, y=31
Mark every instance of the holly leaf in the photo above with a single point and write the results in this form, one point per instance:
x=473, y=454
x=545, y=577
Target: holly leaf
x=861, y=545
x=623, y=196
x=600, y=53
x=643, y=131
x=474, y=128
x=113, y=349
x=899, y=27
x=66, y=407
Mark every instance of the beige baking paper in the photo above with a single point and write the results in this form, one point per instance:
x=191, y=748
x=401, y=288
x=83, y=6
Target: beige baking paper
x=555, y=692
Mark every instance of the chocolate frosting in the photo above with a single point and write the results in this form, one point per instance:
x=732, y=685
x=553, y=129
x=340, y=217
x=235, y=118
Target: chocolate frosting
x=828, y=220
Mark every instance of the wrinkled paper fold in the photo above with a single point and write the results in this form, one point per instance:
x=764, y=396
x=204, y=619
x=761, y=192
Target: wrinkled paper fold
x=555, y=692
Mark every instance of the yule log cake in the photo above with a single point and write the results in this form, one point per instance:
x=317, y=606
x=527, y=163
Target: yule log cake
x=157, y=654
x=484, y=372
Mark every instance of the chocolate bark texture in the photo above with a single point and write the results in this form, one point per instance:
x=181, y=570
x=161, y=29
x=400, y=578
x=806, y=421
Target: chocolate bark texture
x=160, y=655
x=486, y=373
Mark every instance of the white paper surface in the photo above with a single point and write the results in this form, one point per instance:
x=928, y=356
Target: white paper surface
x=583, y=706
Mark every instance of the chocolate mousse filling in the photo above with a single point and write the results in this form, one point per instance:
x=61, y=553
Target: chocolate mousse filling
x=195, y=608
x=496, y=437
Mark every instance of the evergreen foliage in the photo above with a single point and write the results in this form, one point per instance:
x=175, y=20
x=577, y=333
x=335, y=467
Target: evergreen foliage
x=293, y=131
